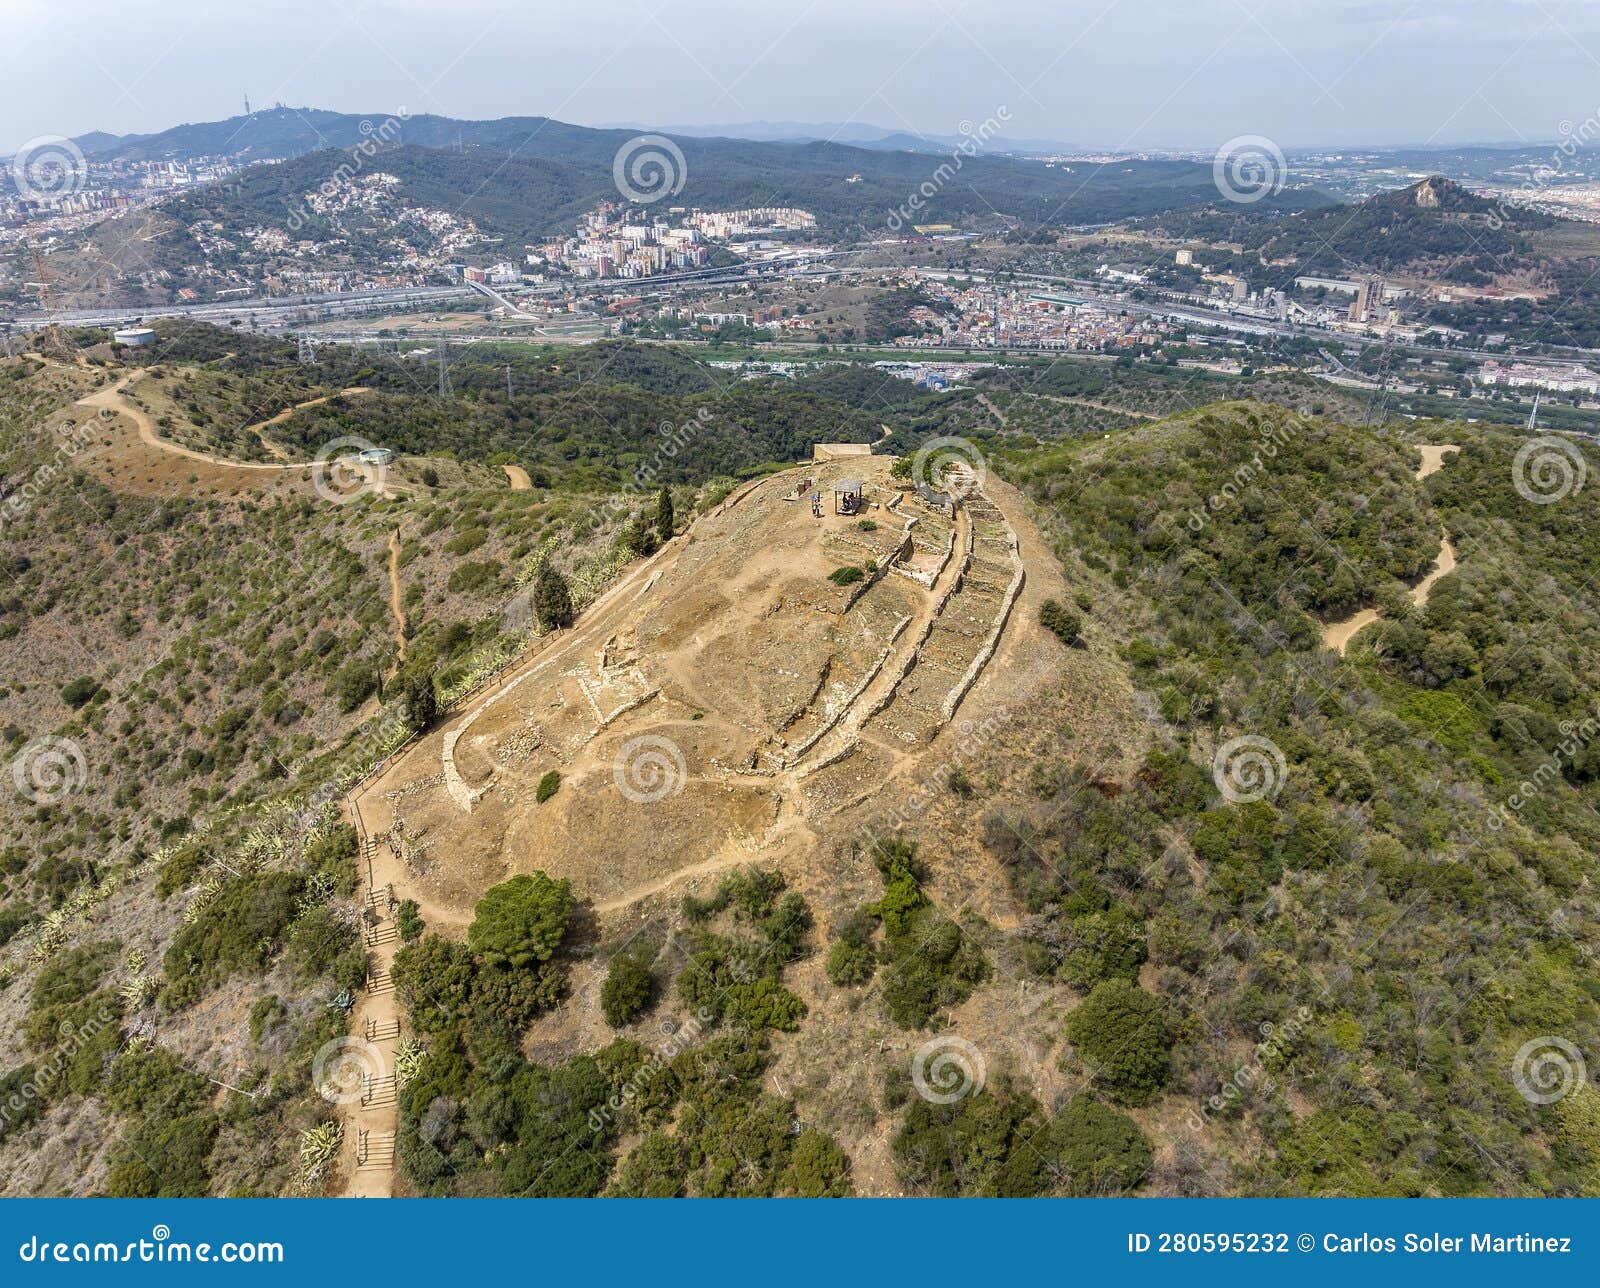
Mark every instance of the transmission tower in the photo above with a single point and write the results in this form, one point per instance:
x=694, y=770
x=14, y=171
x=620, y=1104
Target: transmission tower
x=508, y=382
x=1378, y=401
x=1533, y=416
x=308, y=349
x=444, y=372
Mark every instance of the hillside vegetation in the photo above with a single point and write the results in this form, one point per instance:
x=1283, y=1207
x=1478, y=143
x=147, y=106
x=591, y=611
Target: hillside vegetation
x=1397, y=880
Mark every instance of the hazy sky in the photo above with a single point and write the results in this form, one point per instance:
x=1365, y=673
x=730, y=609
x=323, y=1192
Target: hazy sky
x=1114, y=73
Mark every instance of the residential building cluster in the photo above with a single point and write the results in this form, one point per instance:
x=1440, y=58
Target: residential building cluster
x=722, y=224
x=1555, y=377
x=607, y=244
x=985, y=316
x=100, y=190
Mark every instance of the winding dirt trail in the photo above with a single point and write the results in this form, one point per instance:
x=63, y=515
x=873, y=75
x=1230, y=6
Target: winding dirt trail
x=259, y=429
x=1091, y=402
x=1337, y=635
x=114, y=398
x=517, y=477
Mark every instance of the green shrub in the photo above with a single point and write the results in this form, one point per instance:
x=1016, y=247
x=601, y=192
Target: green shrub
x=818, y=1169
x=852, y=959
x=163, y=1160
x=408, y=920
x=241, y=929
x=80, y=692
x=521, y=922
x=1122, y=1037
x=267, y=1012
x=149, y=1080
x=1060, y=621
x=549, y=784
x=21, y=1099
x=627, y=992
x=846, y=576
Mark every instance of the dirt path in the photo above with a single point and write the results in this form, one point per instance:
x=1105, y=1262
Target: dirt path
x=114, y=398
x=396, y=602
x=517, y=477
x=259, y=429
x=1337, y=635
x=993, y=410
x=371, y=1114
x=1095, y=403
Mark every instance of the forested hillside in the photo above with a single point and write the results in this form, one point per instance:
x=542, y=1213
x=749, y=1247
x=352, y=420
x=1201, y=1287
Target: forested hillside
x=1366, y=944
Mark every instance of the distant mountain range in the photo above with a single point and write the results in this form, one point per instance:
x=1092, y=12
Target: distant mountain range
x=531, y=176
x=279, y=132
x=858, y=134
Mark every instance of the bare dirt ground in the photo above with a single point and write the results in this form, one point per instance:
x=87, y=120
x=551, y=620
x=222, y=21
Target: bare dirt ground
x=1337, y=635
x=726, y=704
x=518, y=478
x=137, y=459
x=141, y=461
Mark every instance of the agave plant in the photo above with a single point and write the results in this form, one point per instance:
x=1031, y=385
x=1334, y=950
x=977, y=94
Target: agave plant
x=137, y=992
x=407, y=1061
x=209, y=890
x=320, y=1146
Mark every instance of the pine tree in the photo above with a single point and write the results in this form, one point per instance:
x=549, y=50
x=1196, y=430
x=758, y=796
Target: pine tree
x=552, y=600
x=421, y=703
